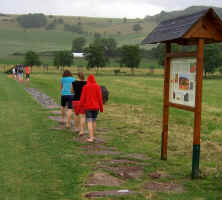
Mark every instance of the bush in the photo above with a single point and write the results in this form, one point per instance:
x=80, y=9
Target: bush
x=32, y=20
x=51, y=26
x=73, y=28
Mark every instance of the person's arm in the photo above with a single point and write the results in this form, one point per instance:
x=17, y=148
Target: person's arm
x=100, y=98
x=73, y=88
x=61, y=86
x=83, y=97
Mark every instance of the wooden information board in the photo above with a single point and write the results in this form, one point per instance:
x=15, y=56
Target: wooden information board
x=183, y=81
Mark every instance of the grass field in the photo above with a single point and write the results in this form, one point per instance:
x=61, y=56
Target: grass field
x=13, y=38
x=40, y=163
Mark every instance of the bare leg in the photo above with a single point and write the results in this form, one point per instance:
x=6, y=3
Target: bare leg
x=82, y=123
x=94, y=127
x=63, y=114
x=91, y=133
x=69, y=114
x=76, y=123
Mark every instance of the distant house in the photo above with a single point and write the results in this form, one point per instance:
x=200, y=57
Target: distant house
x=78, y=55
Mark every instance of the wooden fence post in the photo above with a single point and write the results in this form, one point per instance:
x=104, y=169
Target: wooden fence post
x=166, y=104
x=197, y=115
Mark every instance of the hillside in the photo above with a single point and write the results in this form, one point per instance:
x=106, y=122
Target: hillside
x=169, y=15
x=13, y=38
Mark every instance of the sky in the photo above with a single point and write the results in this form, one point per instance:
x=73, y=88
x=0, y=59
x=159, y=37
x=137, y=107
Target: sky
x=100, y=8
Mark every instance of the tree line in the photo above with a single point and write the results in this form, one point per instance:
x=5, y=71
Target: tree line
x=99, y=52
x=39, y=20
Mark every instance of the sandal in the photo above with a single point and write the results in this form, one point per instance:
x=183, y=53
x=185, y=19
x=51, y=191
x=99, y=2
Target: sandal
x=90, y=140
x=81, y=134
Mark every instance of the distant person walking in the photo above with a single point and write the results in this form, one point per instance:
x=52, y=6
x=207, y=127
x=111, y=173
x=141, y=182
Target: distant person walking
x=27, y=73
x=20, y=72
x=91, y=100
x=79, y=117
x=13, y=72
x=16, y=71
x=66, y=96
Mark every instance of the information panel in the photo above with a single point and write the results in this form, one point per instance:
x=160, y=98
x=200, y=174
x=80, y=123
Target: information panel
x=183, y=81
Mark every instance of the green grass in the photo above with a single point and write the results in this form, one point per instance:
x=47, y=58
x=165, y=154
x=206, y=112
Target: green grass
x=35, y=161
x=46, y=164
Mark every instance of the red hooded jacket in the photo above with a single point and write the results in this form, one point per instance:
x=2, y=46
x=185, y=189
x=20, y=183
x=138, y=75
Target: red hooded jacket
x=91, y=97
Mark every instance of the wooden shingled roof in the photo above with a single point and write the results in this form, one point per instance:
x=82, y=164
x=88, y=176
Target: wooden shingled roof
x=186, y=30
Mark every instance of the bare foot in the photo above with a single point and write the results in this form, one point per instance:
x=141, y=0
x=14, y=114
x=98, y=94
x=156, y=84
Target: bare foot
x=76, y=130
x=68, y=125
x=90, y=140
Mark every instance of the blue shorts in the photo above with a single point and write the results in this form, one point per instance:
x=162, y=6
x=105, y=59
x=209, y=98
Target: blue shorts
x=91, y=115
x=66, y=100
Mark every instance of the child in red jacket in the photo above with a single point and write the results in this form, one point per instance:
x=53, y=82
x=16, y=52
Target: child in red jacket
x=91, y=100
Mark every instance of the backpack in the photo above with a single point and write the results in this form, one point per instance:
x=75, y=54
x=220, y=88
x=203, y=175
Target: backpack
x=105, y=94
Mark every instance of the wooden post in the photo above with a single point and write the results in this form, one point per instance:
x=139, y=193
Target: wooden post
x=166, y=104
x=198, y=102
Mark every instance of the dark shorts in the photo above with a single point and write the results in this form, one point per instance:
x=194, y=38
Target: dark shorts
x=27, y=75
x=66, y=100
x=91, y=115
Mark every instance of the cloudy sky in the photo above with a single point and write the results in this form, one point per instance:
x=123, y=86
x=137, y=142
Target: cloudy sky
x=100, y=8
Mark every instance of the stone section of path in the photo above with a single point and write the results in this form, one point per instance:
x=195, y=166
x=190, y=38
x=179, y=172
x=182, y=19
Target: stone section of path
x=43, y=99
x=56, y=112
x=103, y=178
x=83, y=140
x=61, y=125
x=126, y=172
x=159, y=174
x=116, y=193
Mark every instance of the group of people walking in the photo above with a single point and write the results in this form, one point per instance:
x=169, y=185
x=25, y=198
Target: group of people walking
x=18, y=72
x=84, y=98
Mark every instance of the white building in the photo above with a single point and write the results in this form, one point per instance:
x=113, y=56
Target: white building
x=78, y=55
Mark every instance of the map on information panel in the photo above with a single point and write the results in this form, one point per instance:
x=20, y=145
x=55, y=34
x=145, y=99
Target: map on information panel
x=183, y=81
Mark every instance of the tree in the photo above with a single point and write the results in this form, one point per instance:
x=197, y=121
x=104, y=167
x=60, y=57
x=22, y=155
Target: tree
x=32, y=20
x=32, y=58
x=212, y=58
x=109, y=45
x=78, y=44
x=124, y=20
x=63, y=58
x=220, y=70
x=130, y=56
x=137, y=27
x=60, y=21
x=51, y=25
x=73, y=28
x=95, y=55
x=97, y=35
